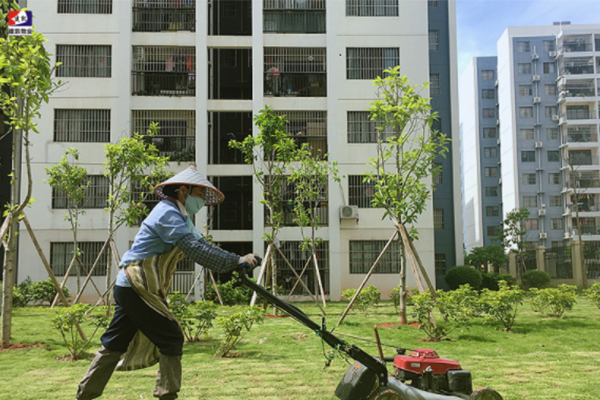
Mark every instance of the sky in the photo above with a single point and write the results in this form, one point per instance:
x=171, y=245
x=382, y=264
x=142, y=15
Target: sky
x=480, y=23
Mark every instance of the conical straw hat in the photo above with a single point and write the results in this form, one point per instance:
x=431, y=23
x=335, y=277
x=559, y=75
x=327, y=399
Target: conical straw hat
x=190, y=176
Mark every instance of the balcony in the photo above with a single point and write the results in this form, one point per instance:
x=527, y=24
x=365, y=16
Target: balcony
x=584, y=138
x=576, y=66
x=294, y=16
x=177, y=148
x=295, y=85
x=163, y=71
x=308, y=127
x=161, y=16
x=575, y=44
x=295, y=72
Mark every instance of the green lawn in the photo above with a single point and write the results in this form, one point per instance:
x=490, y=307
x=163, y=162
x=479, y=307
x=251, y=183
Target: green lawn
x=545, y=358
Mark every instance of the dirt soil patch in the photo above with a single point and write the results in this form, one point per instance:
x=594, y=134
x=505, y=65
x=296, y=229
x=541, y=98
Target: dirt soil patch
x=397, y=325
x=271, y=316
x=21, y=346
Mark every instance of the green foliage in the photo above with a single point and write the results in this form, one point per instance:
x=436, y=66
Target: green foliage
x=454, y=313
x=594, y=293
x=468, y=298
x=395, y=297
x=535, y=279
x=195, y=318
x=231, y=294
x=22, y=293
x=490, y=280
x=369, y=296
x=538, y=299
x=44, y=291
x=482, y=256
x=502, y=304
x=513, y=233
x=236, y=326
x=463, y=275
x=557, y=300
x=66, y=320
x=508, y=278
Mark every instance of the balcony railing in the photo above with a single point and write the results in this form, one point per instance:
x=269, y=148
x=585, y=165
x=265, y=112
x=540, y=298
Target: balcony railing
x=586, y=230
x=295, y=84
x=164, y=19
x=581, y=137
x=582, y=160
x=322, y=213
x=577, y=114
x=163, y=83
x=574, y=44
x=294, y=21
x=177, y=148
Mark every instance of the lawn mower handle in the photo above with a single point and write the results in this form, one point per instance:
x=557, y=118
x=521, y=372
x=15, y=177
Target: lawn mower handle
x=336, y=343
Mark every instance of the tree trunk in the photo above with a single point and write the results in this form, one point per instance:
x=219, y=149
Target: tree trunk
x=8, y=282
x=403, y=319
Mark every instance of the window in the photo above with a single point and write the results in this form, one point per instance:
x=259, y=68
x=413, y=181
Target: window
x=549, y=67
x=359, y=193
x=368, y=63
x=171, y=16
x=492, y=211
x=440, y=258
x=553, y=156
x=490, y=152
x=487, y=74
x=363, y=254
x=529, y=179
x=84, y=6
x=176, y=137
x=556, y=223
x=488, y=94
x=548, y=45
x=367, y=8
x=554, y=178
x=489, y=113
x=523, y=47
x=61, y=254
x=164, y=71
x=552, y=134
x=527, y=156
x=491, y=171
x=527, y=134
x=434, y=40
x=437, y=179
x=578, y=112
x=434, y=86
x=530, y=245
x=524, y=68
x=89, y=126
x=362, y=130
x=530, y=201
x=550, y=111
x=525, y=90
x=489, y=132
x=492, y=230
x=83, y=61
x=491, y=191
x=532, y=224
x=438, y=219
x=526, y=112
x=550, y=90
x=432, y=3
x=96, y=194
x=555, y=201
x=295, y=71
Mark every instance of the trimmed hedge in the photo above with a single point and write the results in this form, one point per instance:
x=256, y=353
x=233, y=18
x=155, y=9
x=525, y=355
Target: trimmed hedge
x=535, y=279
x=490, y=280
x=462, y=275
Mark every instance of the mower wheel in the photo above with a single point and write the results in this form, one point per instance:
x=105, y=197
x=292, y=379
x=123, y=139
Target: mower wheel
x=485, y=394
x=386, y=395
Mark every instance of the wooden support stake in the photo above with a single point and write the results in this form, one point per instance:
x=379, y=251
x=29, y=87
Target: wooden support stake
x=413, y=261
x=414, y=250
x=262, y=271
x=64, y=282
x=362, y=285
x=212, y=278
x=4, y=228
x=314, y=256
x=378, y=341
x=89, y=276
x=300, y=277
x=50, y=273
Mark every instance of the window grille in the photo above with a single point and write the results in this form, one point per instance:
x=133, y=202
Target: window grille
x=549, y=67
x=556, y=223
x=530, y=201
x=61, y=254
x=164, y=15
x=295, y=71
x=236, y=212
x=525, y=112
x=490, y=152
x=489, y=132
x=527, y=134
x=224, y=127
x=553, y=178
x=578, y=88
x=532, y=224
x=491, y=171
x=489, y=113
x=360, y=193
x=555, y=201
x=96, y=194
x=487, y=74
x=84, y=126
x=553, y=156
x=550, y=111
x=576, y=43
x=523, y=47
x=440, y=262
x=491, y=191
x=361, y=129
x=363, y=254
x=438, y=219
x=529, y=179
x=176, y=137
x=434, y=40
x=525, y=90
x=432, y=3
x=492, y=211
x=527, y=156
x=438, y=179
x=581, y=134
x=434, y=85
x=489, y=94
x=578, y=112
x=369, y=63
x=370, y=8
x=297, y=257
x=85, y=6
x=552, y=134
x=308, y=127
x=163, y=71
x=287, y=192
x=550, y=90
x=83, y=61
x=524, y=68
x=492, y=231
x=548, y=45
x=294, y=16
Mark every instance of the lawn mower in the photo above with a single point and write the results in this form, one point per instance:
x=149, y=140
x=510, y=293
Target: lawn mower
x=420, y=375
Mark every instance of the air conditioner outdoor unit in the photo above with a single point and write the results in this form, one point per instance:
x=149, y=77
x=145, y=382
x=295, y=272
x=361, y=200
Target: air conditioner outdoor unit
x=534, y=56
x=498, y=141
x=555, y=117
x=567, y=235
x=536, y=77
x=537, y=99
x=552, y=54
x=538, y=145
x=542, y=212
x=543, y=235
x=500, y=181
x=349, y=212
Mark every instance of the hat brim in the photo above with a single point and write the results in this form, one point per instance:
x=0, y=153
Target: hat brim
x=191, y=177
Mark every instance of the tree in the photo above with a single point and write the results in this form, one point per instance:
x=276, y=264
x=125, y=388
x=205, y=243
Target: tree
x=73, y=181
x=513, y=234
x=404, y=158
x=480, y=257
x=26, y=76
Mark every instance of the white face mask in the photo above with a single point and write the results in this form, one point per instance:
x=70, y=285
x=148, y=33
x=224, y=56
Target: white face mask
x=194, y=204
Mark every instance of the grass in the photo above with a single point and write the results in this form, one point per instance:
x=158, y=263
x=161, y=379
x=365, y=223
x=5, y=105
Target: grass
x=545, y=358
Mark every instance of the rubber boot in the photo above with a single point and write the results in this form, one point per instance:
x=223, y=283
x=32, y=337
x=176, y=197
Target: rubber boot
x=168, y=378
x=97, y=376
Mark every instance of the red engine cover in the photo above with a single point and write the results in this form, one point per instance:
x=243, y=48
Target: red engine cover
x=419, y=359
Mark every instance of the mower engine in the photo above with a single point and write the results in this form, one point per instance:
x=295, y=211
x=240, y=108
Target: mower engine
x=427, y=371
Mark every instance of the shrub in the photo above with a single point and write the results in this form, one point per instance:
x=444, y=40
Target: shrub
x=453, y=312
x=22, y=293
x=561, y=299
x=44, y=291
x=369, y=296
x=195, y=318
x=502, y=305
x=66, y=320
x=508, y=278
x=468, y=298
x=230, y=293
x=463, y=275
x=489, y=281
x=594, y=293
x=236, y=326
x=539, y=299
x=395, y=297
x=535, y=279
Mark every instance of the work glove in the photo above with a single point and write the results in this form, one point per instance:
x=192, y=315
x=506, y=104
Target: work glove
x=249, y=261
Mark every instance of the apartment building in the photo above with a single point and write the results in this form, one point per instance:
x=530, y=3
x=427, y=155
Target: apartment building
x=547, y=82
x=202, y=70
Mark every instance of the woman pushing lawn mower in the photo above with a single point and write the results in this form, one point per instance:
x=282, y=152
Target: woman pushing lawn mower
x=143, y=331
